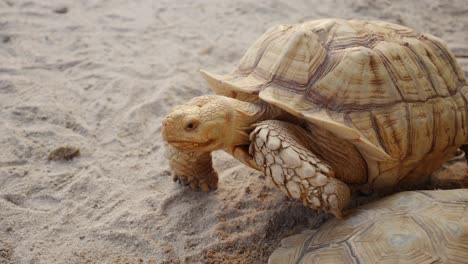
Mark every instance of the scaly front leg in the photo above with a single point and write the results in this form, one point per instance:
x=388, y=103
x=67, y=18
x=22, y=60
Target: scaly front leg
x=193, y=168
x=278, y=148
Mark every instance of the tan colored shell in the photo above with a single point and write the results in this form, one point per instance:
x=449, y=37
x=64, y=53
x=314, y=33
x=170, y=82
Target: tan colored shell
x=408, y=227
x=399, y=96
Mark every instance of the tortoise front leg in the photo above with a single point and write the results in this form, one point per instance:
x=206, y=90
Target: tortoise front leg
x=193, y=168
x=278, y=148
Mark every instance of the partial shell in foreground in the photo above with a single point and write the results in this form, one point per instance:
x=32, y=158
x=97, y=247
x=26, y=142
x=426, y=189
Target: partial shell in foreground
x=408, y=227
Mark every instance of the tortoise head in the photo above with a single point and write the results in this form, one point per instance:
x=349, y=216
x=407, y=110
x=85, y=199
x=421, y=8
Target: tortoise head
x=203, y=124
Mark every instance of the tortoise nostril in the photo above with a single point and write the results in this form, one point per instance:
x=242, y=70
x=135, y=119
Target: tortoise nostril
x=166, y=122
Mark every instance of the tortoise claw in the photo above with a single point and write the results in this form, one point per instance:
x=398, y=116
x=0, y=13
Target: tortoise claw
x=206, y=183
x=194, y=185
x=205, y=187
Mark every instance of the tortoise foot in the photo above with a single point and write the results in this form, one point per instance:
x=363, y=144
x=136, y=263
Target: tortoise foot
x=206, y=183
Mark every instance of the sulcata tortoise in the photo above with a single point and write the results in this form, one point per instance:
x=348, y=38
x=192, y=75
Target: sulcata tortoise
x=327, y=107
x=408, y=227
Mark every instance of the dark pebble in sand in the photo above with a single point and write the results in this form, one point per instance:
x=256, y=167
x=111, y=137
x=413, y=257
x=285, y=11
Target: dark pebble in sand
x=61, y=10
x=6, y=39
x=64, y=153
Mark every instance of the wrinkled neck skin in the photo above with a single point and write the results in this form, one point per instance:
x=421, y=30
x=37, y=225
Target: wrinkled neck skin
x=247, y=114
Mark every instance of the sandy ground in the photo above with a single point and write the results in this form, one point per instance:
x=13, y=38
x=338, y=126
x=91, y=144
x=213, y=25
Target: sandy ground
x=99, y=75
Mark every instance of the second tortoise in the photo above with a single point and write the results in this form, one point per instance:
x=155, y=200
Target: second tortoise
x=409, y=227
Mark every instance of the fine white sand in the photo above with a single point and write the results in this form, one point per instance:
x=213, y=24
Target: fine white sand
x=99, y=75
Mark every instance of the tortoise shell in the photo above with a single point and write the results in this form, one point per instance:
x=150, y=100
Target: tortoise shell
x=408, y=227
x=399, y=96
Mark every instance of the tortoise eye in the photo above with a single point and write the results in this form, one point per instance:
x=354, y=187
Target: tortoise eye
x=191, y=125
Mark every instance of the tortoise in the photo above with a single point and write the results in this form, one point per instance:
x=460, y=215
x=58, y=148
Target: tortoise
x=327, y=108
x=407, y=227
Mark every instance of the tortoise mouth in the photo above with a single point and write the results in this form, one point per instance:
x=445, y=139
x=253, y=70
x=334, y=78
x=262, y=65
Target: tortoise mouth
x=181, y=144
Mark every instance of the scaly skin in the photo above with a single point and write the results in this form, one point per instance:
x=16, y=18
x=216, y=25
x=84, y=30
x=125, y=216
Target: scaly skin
x=299, y=173
x=192, y=168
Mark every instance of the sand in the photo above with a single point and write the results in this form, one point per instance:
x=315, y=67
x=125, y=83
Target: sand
x=99, y=76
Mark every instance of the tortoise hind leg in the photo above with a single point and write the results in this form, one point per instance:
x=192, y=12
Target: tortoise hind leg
x=278, y=148
x=453, y=174
x=465, y=150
